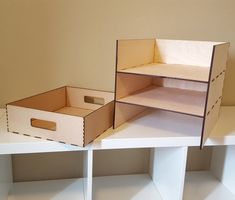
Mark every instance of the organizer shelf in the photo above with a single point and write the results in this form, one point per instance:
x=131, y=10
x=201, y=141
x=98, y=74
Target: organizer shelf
x=173, y=75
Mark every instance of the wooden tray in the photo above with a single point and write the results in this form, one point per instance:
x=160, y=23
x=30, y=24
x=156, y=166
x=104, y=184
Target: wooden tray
x=69, y=115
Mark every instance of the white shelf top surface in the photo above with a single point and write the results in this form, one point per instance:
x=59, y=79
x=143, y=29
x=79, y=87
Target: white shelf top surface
x=202, y=185
x=157, y=129
x=125, y=187
x=137, y=133
x=71, y=189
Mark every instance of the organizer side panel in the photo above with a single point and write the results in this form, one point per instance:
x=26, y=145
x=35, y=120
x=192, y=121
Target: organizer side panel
x=5, y=176
x=48, y=101
x=125, y=112
x=167, y=168
x=98, y=122
x=76, y=97
x=69, y=129
x=183, y=52
x=131, y=53
x=127, y=84
x=215, y=89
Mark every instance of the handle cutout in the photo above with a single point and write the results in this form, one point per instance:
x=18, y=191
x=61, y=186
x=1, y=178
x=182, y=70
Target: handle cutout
x=43, y=124
x=94, y=100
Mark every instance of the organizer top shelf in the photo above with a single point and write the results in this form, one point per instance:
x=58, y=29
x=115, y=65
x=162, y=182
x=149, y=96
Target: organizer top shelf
x=180, y=59
x=184, y=72
x=173, y=99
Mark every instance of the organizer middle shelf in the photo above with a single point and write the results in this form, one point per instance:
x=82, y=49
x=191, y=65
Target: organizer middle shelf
x=173, y=99
x=168, y=94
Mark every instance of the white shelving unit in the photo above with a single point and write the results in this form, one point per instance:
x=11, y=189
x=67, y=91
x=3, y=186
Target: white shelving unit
x=164, y=179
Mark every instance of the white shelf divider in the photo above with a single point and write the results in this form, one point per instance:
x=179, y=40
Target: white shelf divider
x=168, y=171
x=5, y=176
x=88, y=173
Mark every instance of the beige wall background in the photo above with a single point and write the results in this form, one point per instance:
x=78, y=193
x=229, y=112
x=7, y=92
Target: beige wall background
x=49, y=43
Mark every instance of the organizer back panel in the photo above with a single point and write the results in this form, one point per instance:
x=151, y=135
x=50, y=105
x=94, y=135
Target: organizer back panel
x=132, y=53
x=125, y=112
x=183, y=52
x=126, y=84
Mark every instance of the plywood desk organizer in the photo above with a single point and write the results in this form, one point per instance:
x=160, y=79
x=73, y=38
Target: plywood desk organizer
x=67, y=114
x=185, y=77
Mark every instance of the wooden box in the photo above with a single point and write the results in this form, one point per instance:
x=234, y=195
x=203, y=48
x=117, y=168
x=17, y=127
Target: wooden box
x=172, y=75
x=69, y=115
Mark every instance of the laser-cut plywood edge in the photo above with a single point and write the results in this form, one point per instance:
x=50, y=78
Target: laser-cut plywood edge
x=98, y=122
x=215, y=89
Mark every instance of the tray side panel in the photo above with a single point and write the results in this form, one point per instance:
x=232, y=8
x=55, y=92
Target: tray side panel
x=98, y=122
x=48, y=101
x=69, y=129
x=76, y=97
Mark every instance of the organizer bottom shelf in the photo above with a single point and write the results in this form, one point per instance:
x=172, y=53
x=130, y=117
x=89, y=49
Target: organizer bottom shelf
x=125, y=187
x=71, y=189
x=203, y=185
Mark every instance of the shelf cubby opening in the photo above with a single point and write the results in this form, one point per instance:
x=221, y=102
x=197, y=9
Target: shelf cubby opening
x=138, y=173
x=41, y=181
x=210, y=174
